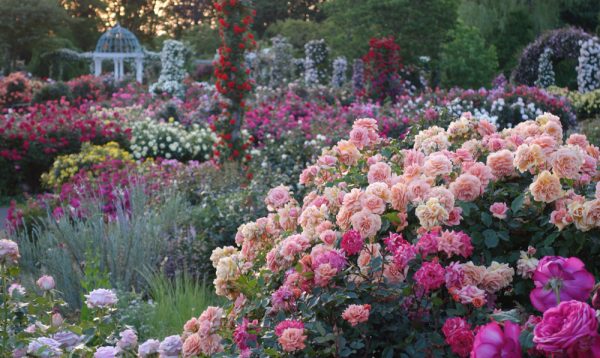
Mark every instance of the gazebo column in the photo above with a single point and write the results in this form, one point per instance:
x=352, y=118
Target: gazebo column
x=97, y=67
x=121, y=68
x=116, y=69
x=139, y=69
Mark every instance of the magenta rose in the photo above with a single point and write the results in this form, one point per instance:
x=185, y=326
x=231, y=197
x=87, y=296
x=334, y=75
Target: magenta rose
x=492, y=341
x=567, y=277
x=352, y=242
x=570, y=328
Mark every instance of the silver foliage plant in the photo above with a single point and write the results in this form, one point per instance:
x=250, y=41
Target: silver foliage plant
x=173, y=72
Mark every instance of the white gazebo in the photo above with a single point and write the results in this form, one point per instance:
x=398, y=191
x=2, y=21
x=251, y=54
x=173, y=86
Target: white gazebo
x=118, y=44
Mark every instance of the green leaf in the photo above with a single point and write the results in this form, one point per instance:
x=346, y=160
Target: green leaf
x=388, y=352
x=526, y=340
x=486, y=219
x=517, y=204
x=491, y=239
x=550, y=239
x=512, y=315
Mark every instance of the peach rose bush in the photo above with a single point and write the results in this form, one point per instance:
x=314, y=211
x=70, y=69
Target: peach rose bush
x=470, y=242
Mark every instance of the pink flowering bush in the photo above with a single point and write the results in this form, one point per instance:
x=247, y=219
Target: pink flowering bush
x=424, y=250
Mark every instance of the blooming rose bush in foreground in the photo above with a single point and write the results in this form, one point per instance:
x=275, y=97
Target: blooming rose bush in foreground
x=474, y=242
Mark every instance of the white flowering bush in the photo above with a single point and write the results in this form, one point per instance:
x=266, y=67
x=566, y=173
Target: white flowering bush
x=172, y=59
x=171, y=140
x=588, y=70
x=315, y=62
x=338, y=76
x=281, y=65
x=546, y=76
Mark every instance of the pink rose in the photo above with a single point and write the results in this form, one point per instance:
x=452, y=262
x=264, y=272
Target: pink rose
x=360, y=137
x=546, y=187
x=466, y=187
x=566, y=162
x=291, y=335
x=430, y=276
x=46, y=283
x=379, y=172
x=492, y=341
x=568, y=277
x=569, y=329
x=277, y=197
x=9, y=252
x=458, y=336
x=499, y=210
x=437, y=164
x=356, y=314
x=366, y=223
x=501, y=163
x=191, y=346
x=101, y=298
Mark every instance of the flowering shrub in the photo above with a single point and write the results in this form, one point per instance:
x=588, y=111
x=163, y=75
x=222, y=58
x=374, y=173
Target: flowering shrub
x=172, y=73
x=545, y=70
x=15, y=89
x=30, y=141
x=66, y=166
x=588, y=70
x=89, y=87
x=382, y=68
x=338, y=75
x=235, y=18
x=316, y=55
x=170, y=140
x=407, y=251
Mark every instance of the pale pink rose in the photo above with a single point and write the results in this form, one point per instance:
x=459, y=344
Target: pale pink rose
x=466, y=187
x=501, y=163
x=546, y=142
x=328, y=237
x=437, y=164
x=597, y=195
x=591, y=213
x=191, y=325
x=579, y=140
x=356, y=314
x=485, y=128
x=561, y=218
x=546, y=187
x=418, y=190
x=554, y=129
x=431, y=213
x=46, y=283
x=400, y=197
x=211, y=318
x=292, y=339
x=191, y=346
x=444, y=195
x=364, y=258
x=347, y=152
x=211, y=345
x=528, y=129
x=473, y=274
x=566, y=163
x=308, y=175
x=324, y=273
x=461, y=155
x=380, y=190
x=352, y=199
x=9, y=251
x=480, y=170
x=497, y=277
x=393, y=272
x=411, y=172
x=57, y=320
x=277, y=197
x=373, y=204
x=343, y=217
x=379, y=172
x=366, y=223
x=375, y=159
x=327, y=160
x=495, y=144
x=499, y=210
x=589, y=166
x=129, y=340
x=360, y=137
x=413, y=157
x=529, y=157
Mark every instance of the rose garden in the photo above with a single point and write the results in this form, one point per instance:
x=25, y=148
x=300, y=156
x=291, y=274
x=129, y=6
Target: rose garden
x=248, y=179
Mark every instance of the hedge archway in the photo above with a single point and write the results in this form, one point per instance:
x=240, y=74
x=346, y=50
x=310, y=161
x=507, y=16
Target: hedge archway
x=565, y=44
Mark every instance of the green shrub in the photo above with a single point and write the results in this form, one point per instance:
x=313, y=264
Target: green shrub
x=466, y=61
x=52, y=92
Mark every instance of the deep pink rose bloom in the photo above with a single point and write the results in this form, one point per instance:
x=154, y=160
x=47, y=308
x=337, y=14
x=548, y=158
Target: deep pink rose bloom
x=430, y=276
x=571, y=328
x=491, y=341
x=568, y=276
x=352, y=242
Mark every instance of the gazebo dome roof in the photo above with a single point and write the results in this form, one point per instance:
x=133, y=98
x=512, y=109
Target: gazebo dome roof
x=118, y=40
